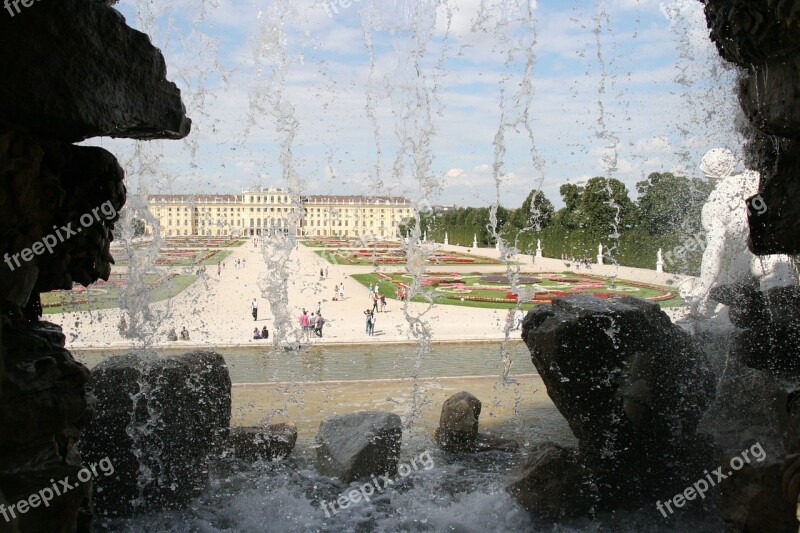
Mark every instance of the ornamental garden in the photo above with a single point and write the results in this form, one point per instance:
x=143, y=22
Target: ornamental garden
x=397, y=256
x=497, y=290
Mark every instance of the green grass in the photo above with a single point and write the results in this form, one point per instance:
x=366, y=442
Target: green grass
x=217, y=258
x=108, y=299
x=388, y=289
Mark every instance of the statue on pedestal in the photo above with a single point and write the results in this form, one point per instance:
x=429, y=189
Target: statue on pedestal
x=727, y=259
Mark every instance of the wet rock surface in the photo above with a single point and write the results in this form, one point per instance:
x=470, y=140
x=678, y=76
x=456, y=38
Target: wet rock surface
x=45, y=404
x=359, y=445
x=763, y=38
x=458, y=427
x=111, y=80
x=632, y=387
x=158, y=420
x=262, y=444
x=553, y=483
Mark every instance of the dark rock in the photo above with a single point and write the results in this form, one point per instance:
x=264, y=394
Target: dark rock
x=262, y=444
x=769, y=93
x=458, y=423
x=553, y=483
x=754, y=31
x=158, y=419
x=752, y=500
x=359, y=445
x=775, y=226
x=45, y=401
x=458, y=427
x=45, y=186
x=770, y=327
x=110, y=81
x=631, y=385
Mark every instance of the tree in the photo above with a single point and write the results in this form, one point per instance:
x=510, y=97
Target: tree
x=536, y=212
x=668, y=202
x=598, y=207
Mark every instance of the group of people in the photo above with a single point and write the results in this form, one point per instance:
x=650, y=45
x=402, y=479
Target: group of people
x=376, y=297
x=172, y=336
x=239, y=263
x=312, y=323
x=263, y=334
x=338, y=292
x=577, y=261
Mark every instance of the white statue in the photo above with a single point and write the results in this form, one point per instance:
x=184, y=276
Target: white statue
x=538, y=248
x=600, y=254
x=475, y=240
x=659, y=261
x=446, y=240
x=727, y=259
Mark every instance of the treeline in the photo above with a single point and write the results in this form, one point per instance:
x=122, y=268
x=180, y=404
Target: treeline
x=667, y=212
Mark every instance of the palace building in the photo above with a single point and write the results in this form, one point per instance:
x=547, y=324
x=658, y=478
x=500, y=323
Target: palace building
x=271, y=210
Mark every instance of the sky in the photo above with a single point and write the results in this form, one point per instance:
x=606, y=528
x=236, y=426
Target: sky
x=466, y=102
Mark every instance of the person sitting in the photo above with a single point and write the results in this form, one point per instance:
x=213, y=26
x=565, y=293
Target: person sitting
x=184, y=334
x=264, y=333
x=172, y=336
x=256, y=334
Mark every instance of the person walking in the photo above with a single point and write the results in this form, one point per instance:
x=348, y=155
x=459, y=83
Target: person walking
x=372, y=320
x=304, y=324
x=520, y=316
x=341, y=291
x=383, y=303
x=374, y=302
x=254, y=307
x=326, y=272
x=321, y=274
x=319, y=323
x=368, y=314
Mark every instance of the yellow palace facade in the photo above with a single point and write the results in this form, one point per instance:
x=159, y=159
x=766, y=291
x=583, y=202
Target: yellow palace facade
x=272, y=210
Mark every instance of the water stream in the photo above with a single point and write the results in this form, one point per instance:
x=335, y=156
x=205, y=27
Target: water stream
x=271, y=89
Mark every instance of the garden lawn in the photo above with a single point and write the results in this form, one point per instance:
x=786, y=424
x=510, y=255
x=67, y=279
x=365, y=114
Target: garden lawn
x=106, y=296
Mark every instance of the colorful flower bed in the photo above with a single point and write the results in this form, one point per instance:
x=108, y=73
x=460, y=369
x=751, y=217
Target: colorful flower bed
x=363, y=256
x=532, y=290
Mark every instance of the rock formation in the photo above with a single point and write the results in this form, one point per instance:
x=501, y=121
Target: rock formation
x=158, y=419
x=262, y=444
x=632, y=387
x=359, y=445
x=458, y=427
x=763, y=38
x=72, y=70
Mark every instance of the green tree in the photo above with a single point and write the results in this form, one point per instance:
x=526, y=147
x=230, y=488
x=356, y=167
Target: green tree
x=536, y=212
x=668, y=202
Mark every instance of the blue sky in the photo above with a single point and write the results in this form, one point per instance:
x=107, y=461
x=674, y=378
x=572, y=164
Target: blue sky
x=245, y=67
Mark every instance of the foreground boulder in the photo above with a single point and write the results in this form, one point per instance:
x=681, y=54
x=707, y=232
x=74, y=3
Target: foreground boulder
x=554, y=483
x=632, y=387
x=157, y=421
x=458, y=427
x=262, y=444
x=45, y=403
x=359, y=445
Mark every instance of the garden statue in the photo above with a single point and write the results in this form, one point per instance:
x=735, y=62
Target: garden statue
x=727, y=259
x=659, y=261
x=599, y=254
x=538, y=248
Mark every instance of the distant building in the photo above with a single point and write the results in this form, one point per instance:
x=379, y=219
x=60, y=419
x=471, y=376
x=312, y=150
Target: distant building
x=440, y=209
x=272, y=210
